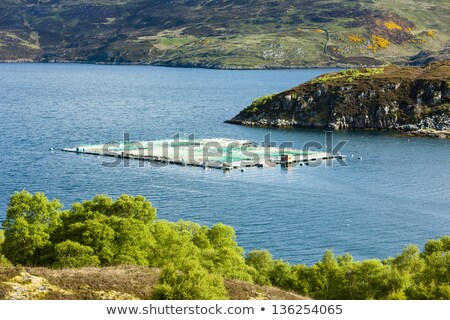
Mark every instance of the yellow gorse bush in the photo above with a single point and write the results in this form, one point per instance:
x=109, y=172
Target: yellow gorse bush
x=378, y=42
x=391, y=25
x=355, y=38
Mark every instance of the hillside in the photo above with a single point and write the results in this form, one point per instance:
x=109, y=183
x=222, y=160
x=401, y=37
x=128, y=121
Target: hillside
x=411, y=99
x=226, y=33
x=116, y=283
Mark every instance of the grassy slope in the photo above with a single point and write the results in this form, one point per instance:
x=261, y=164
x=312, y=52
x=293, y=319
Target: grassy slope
x=237, y=33
x=121, y=283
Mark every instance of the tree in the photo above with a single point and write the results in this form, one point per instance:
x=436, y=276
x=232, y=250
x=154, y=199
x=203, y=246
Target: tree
x=189, y=282
x=96, y=234
x=433, y=281
x=197, y=234
x=30, y=221
x=131, y=241
x=370, y=279
x=137, y=207
x=117, y=231
x=170, y=246
x=439, y=245
x=263, y=263
x=227, y=262
x=70, y=254
x=221, y=236
x=34, y=208
x=125, y=206
x=325, y=277
x=409, y=260
x=281, y=275
x=100, y=203
x=301, y=275
x=224, y=256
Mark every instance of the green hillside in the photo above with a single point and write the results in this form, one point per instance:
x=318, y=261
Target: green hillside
x=225, y=33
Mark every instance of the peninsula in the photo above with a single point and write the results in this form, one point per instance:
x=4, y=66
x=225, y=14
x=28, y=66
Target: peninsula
x=412, y=100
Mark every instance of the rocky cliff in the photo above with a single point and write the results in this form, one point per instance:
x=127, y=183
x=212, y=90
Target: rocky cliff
x=396, y=98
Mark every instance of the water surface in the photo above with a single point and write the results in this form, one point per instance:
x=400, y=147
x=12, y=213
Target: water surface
x=399, y=193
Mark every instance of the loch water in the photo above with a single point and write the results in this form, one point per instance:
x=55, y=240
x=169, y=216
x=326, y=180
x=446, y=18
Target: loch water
x=398, y=193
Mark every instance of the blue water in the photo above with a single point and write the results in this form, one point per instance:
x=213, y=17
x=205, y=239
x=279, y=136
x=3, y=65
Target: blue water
x=399, y=193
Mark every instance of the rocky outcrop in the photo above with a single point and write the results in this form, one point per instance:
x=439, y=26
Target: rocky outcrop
x=395, y=98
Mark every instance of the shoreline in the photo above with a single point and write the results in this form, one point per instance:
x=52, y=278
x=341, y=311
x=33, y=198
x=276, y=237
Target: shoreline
x=419, y=133
x=230, y=68
x=428, y=133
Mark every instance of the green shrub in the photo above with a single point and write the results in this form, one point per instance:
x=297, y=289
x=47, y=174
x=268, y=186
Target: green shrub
x=262, y=261
x=257, y=103
x=4, y=262
x=30, y=220
x=170, y=246
x=347, y=75
x=190, y=282
x=70, y=254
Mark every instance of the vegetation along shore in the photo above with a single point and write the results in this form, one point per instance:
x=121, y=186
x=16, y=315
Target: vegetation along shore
x=118, y=249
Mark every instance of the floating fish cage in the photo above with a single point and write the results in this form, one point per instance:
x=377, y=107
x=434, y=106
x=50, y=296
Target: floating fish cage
x=222, y=154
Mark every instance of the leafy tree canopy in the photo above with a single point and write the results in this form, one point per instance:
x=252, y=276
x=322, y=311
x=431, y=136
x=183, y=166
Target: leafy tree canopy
x=195, y=259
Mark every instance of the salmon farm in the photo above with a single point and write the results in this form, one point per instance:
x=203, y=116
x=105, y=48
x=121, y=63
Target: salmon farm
x=224, y=154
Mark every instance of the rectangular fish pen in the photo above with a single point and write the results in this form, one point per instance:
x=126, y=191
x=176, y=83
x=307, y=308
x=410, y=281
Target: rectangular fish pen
x=225, y=154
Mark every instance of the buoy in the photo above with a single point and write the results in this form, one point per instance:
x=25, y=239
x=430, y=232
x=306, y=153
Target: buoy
x=351, y=156
x=51, y=149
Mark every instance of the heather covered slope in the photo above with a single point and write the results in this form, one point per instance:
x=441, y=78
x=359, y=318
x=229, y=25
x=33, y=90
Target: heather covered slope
x=112, y=283
x=226, y=33
x=396, y=98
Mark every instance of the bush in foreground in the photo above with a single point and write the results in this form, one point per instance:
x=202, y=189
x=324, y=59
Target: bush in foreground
x=191, y=281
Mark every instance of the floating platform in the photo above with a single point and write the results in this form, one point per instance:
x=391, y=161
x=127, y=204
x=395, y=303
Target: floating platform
x=222, y=154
